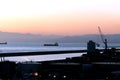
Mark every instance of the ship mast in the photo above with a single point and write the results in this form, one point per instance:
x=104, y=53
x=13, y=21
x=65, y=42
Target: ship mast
x=104, y=40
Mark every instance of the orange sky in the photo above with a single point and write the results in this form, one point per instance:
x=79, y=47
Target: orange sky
x=61, y=17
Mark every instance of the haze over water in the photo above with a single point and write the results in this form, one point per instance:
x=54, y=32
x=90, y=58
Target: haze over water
x=35, y=47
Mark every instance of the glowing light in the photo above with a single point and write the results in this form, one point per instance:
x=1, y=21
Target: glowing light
x=36, y=74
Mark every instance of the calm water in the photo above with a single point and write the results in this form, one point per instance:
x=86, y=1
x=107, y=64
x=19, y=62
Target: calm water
x=36, y=46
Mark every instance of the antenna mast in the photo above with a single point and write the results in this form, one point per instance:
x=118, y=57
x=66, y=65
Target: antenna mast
x=104, y=40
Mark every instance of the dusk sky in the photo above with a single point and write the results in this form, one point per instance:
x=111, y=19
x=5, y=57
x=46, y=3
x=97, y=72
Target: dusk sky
x=61, y=17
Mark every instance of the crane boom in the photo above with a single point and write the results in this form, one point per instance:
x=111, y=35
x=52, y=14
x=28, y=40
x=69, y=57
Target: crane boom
x=101, y=35
x=103, y=39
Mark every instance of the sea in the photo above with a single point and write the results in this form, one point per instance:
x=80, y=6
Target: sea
x=13, y=47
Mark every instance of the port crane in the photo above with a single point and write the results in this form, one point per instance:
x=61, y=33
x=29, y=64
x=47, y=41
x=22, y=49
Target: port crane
x=104, y=40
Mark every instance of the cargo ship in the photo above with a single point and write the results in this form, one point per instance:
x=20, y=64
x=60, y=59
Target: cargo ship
x=55, y=44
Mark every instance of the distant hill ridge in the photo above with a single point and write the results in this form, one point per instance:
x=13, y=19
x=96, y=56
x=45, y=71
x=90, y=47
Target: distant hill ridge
x=20, y=37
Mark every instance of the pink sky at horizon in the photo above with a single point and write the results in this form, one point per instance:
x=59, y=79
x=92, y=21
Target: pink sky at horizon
x=61, y=17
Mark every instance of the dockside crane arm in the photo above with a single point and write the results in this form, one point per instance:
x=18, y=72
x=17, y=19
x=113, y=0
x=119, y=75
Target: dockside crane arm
x=104, y=40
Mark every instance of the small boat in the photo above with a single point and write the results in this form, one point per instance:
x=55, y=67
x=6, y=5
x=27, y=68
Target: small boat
x=55, y=44
x=3, y=42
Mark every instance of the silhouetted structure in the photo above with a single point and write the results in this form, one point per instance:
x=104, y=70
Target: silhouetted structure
x=95, y=64
x=91, y=47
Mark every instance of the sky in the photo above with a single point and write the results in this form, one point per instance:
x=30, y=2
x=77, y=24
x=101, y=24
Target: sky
x=60, y=17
